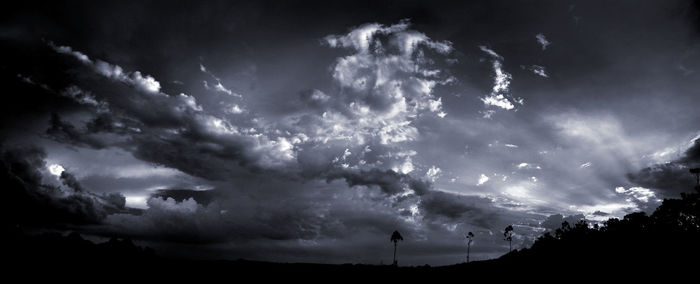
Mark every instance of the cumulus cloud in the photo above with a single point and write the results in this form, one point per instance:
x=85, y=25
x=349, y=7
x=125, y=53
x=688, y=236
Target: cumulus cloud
x=349, y=119
x=639, y=193
x=35, y=203
x=355, y=138
x=390, y=88
x=482, y=179
x=498, y=101
x=500, y=93
x=145, y=83
x=433, y=173
x=167, y=219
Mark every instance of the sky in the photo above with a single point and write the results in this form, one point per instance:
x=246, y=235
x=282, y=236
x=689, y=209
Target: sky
x=308, y=131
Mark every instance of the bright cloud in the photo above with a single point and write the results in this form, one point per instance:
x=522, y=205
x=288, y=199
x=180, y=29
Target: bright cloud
x=145, y=83
x=539, y=70
x=433, y=173
x=542, y=40
x=500, y=93
x=482, y=179
x=639, y=193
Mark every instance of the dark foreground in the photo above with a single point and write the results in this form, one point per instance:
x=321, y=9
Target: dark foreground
x=59, y=258
x=664, y=245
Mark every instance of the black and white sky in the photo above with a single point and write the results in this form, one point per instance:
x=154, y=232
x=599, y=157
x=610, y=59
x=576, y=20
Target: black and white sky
x=308, y=131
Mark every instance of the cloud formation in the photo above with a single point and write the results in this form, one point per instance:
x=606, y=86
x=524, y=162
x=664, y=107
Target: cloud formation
x=218, y=86
x=542, y=40
x=539, y=70
x=146, y=83
x=500, y=94
x=669, y=178
x=343, y=134
x=37, y=203
x=355, y=138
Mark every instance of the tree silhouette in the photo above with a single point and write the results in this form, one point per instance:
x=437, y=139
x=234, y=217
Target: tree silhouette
x=470, y=235
x=396, y=237
x=508, y=234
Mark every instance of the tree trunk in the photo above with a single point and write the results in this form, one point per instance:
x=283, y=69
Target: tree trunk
x=510, y=245
x=394, y=254
x=469, y=245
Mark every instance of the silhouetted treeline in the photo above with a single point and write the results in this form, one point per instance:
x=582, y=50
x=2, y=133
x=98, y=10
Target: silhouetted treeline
x=666, y=240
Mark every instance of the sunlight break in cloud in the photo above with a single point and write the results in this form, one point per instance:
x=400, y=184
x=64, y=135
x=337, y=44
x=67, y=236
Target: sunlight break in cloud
x=56, y=169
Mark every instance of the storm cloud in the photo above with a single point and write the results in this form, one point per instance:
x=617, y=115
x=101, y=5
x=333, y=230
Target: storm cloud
x=673, y=177
x=310, y=131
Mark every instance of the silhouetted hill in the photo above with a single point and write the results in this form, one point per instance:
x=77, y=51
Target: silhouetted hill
x=57, y=249
x=664, y=243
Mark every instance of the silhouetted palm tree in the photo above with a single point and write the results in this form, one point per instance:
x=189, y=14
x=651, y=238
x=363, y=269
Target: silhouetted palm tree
x=508, y=234
x=470, y=235
x=396, y=237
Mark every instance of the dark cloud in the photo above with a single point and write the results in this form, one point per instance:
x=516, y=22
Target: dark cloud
x=673, y=177
x=477, y=212
x=691, y=157
x=312, y=141
x=65, y=132
x=69, y=180
x=37, y=204
x=452, y=206
x=389, y=181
